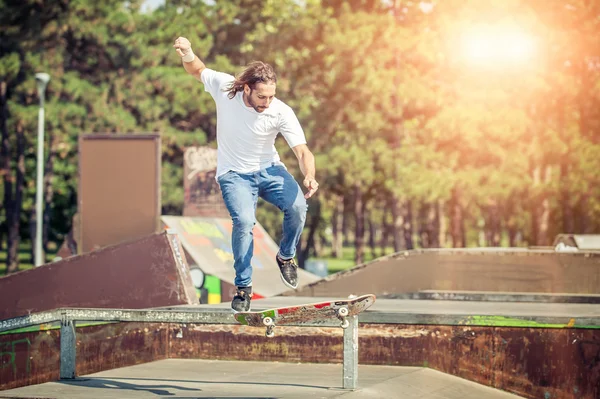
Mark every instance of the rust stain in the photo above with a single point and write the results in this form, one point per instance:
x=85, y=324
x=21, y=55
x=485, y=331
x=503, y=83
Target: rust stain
x=29, y=358
x=290, y=344
x=34, y=357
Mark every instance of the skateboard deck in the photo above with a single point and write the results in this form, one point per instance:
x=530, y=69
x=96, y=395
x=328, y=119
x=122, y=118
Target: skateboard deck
x=322, y=311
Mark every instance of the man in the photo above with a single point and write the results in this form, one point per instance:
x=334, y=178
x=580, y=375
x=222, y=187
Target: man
x=249, y=117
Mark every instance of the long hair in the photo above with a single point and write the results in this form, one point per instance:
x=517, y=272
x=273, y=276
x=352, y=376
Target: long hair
x=255, y=72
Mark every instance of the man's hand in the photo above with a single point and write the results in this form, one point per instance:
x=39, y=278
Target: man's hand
x=182, y=46
x=312, y=186
x=192, y=64
x=307, y=166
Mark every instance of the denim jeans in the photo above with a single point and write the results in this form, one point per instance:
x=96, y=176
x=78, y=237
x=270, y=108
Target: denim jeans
x=240, y=193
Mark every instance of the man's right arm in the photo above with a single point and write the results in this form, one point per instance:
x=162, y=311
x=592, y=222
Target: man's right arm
x=191, y=63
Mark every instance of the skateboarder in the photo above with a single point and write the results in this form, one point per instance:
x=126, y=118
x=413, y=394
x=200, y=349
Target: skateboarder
x=249, y=117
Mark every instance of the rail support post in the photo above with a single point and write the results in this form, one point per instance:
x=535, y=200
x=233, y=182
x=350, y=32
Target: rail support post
x=350, y=377
x=68, y=348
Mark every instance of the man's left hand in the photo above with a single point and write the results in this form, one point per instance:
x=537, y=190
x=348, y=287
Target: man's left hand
x=312, y=186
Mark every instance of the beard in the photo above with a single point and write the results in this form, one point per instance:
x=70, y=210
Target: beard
x=253, y=104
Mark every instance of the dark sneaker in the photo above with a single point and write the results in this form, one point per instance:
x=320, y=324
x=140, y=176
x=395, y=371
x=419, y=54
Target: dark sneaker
x=241, y=299
x=288, y=269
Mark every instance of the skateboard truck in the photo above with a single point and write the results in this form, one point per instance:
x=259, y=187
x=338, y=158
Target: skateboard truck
x=341, y=314
x=268, y=322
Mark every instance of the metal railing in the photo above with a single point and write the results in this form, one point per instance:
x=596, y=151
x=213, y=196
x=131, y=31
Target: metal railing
x=69, y=317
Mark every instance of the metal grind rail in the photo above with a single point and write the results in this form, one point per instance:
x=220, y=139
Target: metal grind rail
x=68, y=318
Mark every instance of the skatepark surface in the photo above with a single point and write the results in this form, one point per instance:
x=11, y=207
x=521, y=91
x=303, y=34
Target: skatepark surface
x=191, y=378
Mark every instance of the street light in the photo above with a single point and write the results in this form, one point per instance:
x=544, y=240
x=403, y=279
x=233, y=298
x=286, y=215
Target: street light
x=42, y=80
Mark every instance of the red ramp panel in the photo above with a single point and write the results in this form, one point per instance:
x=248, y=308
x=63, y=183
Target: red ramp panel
x=147, y=272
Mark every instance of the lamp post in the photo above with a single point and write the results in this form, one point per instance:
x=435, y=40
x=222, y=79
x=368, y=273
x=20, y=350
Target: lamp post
x=42, y=80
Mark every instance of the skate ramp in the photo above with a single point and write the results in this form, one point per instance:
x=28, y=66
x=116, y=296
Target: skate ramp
x=142, y=273
x=208, y=243
x=477, y=269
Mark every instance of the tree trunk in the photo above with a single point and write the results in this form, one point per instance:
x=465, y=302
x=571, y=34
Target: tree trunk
x=566, y=205
x=422, y=225
x=20, y=184
x=312, y=229
x=299, y=251
x=359, y=217
x=457, y=228
x=13, y=185
x=372, y=237
x=442, y=227
x=434, y=226
x=396, y=224
x=509, y=220
x=385, y=233
x=336, y=228
x=345, y=223
x=429, y=225
x=32, y=232
x=585, y=224
x=541, y=206
x=586, y=103
x=407, y=225
x=318, y=245
x=493, y=229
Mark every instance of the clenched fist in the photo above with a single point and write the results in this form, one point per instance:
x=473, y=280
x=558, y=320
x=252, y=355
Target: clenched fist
x=182, y=46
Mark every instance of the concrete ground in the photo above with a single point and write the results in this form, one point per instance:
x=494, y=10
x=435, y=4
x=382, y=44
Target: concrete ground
x=191, y=378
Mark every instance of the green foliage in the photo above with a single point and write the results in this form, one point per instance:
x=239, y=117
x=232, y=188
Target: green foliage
x=385, y=97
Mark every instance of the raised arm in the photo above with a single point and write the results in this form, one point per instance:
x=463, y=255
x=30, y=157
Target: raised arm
x=191, y=63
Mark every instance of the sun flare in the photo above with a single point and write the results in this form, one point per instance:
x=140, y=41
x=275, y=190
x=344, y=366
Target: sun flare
x=486, y=45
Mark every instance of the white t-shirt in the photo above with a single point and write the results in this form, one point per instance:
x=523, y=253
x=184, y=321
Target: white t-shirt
x=246, y=138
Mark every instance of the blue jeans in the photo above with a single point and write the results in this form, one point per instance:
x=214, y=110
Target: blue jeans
x=240, y=193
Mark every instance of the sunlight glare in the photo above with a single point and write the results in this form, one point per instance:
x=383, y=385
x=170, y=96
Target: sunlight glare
x=493, y=46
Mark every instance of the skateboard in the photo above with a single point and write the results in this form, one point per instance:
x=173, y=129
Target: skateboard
x=336, y=309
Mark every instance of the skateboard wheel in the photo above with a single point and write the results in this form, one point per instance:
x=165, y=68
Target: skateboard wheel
x=267, y=321
x=270, y=334
x=345, y=324
x=343, y=312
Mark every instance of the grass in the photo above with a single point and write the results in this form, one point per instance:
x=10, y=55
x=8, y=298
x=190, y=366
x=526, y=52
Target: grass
x=346, y=261
x=24, y=257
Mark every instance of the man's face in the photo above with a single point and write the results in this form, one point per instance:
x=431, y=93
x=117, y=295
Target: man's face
x=261, y=96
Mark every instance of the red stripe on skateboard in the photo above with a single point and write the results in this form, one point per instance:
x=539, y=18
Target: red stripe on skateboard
x=288, y=310
x=296, y=308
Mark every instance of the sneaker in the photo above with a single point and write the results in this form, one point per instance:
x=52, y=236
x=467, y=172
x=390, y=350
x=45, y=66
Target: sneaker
x=241, y=299
x=288, y=269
